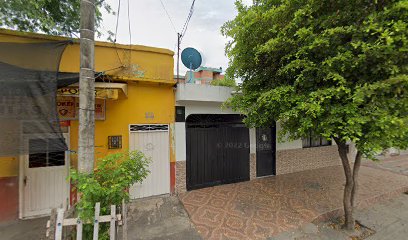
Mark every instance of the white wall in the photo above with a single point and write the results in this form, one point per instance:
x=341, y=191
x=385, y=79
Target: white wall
x=286, y=144
x=205, y=108
x=202, y=93
x=180, y=141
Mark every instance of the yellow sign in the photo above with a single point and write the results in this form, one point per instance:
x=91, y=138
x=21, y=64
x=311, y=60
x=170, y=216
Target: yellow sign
x=99, y=93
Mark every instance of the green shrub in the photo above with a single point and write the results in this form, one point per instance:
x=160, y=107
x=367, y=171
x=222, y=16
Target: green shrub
x=225, y=82
x=109, y=184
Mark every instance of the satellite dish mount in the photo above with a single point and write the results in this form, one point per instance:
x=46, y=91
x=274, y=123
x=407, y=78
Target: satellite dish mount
x=192, y=59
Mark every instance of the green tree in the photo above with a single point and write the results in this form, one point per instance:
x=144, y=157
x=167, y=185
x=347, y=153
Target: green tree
x=54, y=17
x=337, y=67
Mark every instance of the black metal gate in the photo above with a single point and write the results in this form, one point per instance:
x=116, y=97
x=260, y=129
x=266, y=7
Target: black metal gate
x=217, y=150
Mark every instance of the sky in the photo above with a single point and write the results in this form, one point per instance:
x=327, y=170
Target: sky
x=151, y=26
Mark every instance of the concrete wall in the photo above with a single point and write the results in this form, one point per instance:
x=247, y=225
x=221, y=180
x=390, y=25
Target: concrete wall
x=202, y=93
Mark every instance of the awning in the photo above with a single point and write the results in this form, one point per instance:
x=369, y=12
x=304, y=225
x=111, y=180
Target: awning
x=102, y=90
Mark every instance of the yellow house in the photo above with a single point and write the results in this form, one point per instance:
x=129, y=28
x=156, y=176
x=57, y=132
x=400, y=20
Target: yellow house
x=134, y=110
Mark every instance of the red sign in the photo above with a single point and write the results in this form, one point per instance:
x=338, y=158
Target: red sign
x=66, y=123
x=68, y=108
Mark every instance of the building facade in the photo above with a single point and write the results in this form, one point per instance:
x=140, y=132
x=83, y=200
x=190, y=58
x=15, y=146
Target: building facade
x=134, y=110
x=214, y=147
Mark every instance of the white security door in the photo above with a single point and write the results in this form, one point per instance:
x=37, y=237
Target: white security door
x=45, y=184
x=153, y=141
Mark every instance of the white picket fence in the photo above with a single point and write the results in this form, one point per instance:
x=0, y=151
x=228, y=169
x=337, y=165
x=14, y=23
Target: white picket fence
x=57, y=222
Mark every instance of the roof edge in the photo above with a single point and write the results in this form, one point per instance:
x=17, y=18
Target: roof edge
x=40, y=36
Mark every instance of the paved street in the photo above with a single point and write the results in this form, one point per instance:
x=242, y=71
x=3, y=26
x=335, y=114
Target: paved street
x=269, y=206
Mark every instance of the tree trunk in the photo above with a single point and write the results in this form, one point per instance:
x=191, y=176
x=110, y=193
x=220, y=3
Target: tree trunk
x=357, y=164
x=348, y=209
x=86, y=140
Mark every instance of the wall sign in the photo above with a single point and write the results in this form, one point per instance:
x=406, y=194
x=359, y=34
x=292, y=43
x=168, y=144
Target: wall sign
x=99, y=92
x=115, y=142
x=68, y=108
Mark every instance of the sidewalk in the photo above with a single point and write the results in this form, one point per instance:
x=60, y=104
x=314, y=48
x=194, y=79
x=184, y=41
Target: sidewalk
x=388, y=220
x=269, y=206
x=160, y=217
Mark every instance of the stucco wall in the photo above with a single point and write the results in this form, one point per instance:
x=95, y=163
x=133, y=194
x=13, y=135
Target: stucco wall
x=158, y=100
x=202, y=93
x=151, y=91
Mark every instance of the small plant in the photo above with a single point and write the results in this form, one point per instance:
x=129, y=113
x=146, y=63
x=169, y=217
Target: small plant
x=225, y=82
x=109, y=184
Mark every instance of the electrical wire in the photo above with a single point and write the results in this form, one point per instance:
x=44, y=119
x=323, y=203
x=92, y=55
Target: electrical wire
x=130, y=33
x=168, y=15
x=190, y=14
x=116, y=33
x=117, y=21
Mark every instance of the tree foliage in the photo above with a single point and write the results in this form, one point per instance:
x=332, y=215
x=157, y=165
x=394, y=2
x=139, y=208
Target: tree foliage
x=54, y=17
x=109, y=184
x=336, y=67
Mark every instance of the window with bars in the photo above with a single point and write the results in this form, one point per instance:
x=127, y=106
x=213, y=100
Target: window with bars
x=315, y=141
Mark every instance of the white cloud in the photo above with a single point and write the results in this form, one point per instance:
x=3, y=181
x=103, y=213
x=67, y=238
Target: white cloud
x=150, y=25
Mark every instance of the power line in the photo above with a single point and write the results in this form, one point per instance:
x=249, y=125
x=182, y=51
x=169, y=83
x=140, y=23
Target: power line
x=130, y=32
x=116, y=33
x=190, y=14
x=181, y=35
x=117, y=21
x=168, y=15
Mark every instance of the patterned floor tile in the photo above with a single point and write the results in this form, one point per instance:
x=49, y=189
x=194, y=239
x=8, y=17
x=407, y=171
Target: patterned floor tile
x=268, y=206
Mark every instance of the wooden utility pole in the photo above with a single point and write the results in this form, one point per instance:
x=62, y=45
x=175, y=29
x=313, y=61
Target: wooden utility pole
x=178, y=55
x=86, y=141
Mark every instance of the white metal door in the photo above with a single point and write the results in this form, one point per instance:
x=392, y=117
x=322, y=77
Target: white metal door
x=45, y=183
x=153, y=141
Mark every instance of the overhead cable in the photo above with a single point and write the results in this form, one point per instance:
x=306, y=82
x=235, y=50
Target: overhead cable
x=169, y=17
x=190, y=14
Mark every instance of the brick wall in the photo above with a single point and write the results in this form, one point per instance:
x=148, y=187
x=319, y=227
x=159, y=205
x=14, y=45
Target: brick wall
x=181, y=177
x=296, y=160
x=252, y=166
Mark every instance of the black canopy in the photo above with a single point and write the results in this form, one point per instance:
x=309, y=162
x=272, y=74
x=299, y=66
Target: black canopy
x=28, y=87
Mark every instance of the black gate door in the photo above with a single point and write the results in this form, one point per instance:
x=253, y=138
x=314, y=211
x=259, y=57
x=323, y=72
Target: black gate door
x=265, y=151
x=217, y=150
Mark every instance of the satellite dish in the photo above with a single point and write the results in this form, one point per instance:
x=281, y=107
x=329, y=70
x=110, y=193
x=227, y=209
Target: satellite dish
x=191, y=58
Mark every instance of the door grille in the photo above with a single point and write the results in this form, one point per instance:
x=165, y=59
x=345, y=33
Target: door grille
x=149, y=128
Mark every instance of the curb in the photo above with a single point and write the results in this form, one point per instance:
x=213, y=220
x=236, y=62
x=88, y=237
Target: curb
x=361, y=205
